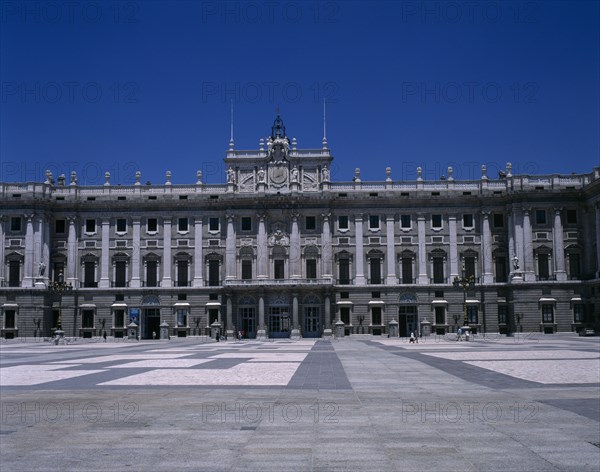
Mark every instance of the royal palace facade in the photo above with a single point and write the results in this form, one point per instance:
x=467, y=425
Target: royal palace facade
x=280, y=250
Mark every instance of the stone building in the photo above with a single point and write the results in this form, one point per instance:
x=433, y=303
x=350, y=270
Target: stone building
x=280, y=250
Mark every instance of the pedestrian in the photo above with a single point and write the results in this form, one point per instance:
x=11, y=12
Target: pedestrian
x=467, y=335
x=217, y=336
x=240, y=334
x=104, y=336
x=153, y=334
x=459, y=334
x=412, y=337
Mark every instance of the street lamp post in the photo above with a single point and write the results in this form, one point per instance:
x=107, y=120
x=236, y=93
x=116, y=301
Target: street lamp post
x=59, y=287
x=465, y=283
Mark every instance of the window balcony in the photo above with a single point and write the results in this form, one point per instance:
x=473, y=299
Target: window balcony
x=88, y=284
x=543, y=278
x=114, y=284
x=278, y=282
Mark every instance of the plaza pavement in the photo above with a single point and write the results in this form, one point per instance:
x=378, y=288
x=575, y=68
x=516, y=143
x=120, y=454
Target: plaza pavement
x=361, y=403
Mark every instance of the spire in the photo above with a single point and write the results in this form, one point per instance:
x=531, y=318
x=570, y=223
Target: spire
x=324, y=125
x=231, y=135
x=278, y=128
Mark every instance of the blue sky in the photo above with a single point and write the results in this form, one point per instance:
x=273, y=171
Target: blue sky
x=147, y=85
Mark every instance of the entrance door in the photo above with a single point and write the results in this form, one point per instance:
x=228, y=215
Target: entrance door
x=248, y=322
x=311, y=322
x=407, y=320
x=279, y=322
x=151, y=323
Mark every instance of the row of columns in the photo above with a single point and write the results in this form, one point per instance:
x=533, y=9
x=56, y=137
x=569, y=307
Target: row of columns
x=520, y=243
x=37, y=242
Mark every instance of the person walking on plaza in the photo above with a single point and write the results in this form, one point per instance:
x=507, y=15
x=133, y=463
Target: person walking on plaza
x=459, y=334
x=104, y=336
x=412, y=338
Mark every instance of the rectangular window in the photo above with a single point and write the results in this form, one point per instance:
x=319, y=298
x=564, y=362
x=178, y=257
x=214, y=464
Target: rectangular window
x=214, y=273
x=540, y=217
x=119, y=318
x=498, y=220
x=121, y=225
x=60, y=226
x=246, y=223
x=15, y=224
x=152, y=225
x=120, y=274
x=344, y=294
x=58, y=269
x=9, y=319
x=89, y=274
x=311, y=223
x=213, y=224
x=182, y=225
x=182, y=273
x=438, y=270
x=343, y=222
x=547, y=313
x=440, y=315
x=543, y=267
x=375, y=294
x=571, y=217
x=574, y=266
x=502, y=314
x=90, y=226
x=246, y=269
x=213, y=315
x=578, y=313
x=345, y=315
x=182, y=317
x=407, y=270
x=376, y=315
x=469, y=266
x=344, y=272
x=436, y=221
x=278, y=269
x=14, y=274
x=311, y=268
x=87, y=319
x=468, y=221
x=375, y=271
x=501, y=269
x=405, y=221
x=473, y=314
x=151, y=274
x=374, y=222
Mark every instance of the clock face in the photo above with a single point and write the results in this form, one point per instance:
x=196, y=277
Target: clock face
x=278, y=175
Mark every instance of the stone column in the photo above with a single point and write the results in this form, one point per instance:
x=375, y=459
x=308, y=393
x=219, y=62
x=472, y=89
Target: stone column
x=72, y=251
x=45, y=256
x=391, y=251
x=29, y=252
x=528, y=264
x=511, y=240
x=295, y=252
x=295, y=325
x=135, y=253
x=453, y=247
x=261, y=317
x=38, y=233
x=327, y=313
x=486, y=248
x=559, y=248
x=327, y=249
x=519, y=251
x=229, y=316
x=2, y=262
x=198, y=263
x=262, y=249
x=422, y=278
x=359, y=279
x=166, y=279
x=105, y=254
x=598, y=241
x=230, y=248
